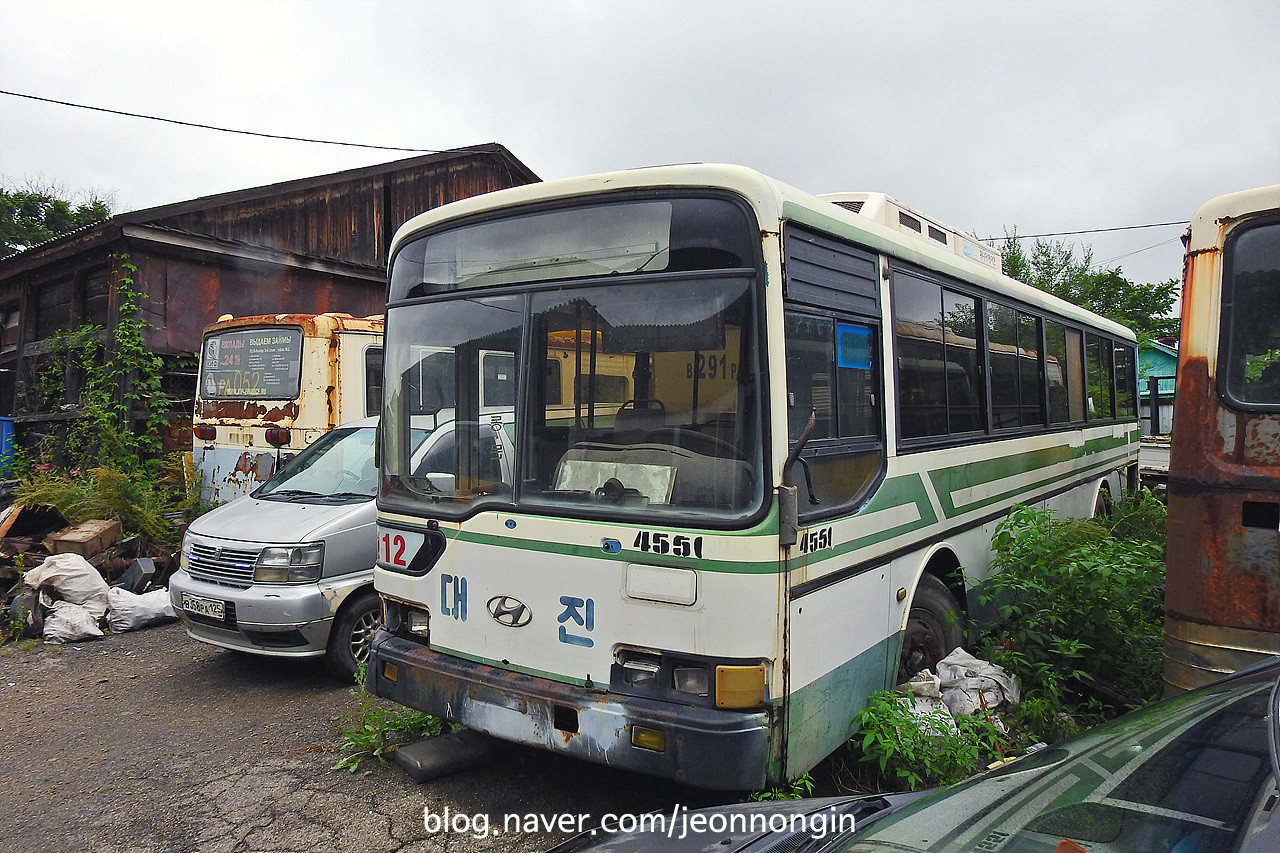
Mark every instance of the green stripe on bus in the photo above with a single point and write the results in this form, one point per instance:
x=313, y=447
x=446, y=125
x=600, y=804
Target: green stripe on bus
x=948, y=481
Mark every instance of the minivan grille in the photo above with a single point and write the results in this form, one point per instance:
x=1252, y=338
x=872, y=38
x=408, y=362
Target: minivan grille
x=226, y=566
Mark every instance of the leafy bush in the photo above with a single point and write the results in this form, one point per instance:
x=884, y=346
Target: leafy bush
x=144, y=506
x=1079, y=603
x=911, y=752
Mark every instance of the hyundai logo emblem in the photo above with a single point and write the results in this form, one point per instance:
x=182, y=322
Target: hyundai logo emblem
x=509, y=611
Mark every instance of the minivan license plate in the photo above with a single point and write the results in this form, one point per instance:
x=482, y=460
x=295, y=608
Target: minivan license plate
x=210, y=607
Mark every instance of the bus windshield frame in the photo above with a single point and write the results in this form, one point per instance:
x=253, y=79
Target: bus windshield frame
x=1249, y=360
x=635, y=395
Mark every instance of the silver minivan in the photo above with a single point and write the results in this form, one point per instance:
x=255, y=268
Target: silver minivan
x=288, y=569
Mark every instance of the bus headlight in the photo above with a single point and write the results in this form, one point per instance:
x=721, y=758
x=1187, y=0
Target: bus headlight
x=735, y=683
x=418, y=622
x=641, y=670
x=290, y=564
x=691, y=679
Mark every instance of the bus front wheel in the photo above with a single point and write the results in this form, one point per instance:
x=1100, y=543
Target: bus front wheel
x=934, y=628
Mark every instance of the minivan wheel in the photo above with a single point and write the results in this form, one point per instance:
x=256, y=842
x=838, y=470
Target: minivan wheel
x=352, y=634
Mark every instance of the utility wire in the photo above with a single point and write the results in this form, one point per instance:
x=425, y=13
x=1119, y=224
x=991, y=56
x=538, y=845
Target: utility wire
x=438, y=151
x=1087, y=231
x=223, y=129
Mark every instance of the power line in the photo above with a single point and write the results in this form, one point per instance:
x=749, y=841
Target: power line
x=1087, y=231
x=222, y=129
x=1109, y=261
x=438, y=151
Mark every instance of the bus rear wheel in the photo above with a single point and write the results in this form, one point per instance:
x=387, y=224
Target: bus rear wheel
x=934, y=628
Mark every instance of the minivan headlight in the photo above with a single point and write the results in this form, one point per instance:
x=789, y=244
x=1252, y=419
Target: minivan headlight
x=289, y=564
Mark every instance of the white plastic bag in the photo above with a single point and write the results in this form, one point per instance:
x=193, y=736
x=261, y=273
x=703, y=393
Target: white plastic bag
x=130, y=611
x=970, y=685
x=67, y=623
x=75, y=579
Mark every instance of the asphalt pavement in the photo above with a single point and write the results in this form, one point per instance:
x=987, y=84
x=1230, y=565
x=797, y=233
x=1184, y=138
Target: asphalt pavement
x=150, y=741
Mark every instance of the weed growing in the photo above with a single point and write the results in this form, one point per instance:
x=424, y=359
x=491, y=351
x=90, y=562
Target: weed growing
x=909, y=752
x=143, y=505
x=799, y=789
x=375, y=728
x=1078, y=618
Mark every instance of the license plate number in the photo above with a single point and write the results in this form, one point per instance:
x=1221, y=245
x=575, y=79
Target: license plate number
x=210, y=607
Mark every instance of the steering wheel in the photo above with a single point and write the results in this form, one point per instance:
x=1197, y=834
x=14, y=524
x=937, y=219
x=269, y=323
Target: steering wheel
x=347, y=474
x=691, y=439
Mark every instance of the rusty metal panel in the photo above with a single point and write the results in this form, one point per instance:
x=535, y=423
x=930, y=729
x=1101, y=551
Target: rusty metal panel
x=349, y=219
x=1222, y=598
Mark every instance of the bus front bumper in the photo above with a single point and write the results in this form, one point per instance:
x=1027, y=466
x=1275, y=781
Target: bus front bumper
x=704, y=747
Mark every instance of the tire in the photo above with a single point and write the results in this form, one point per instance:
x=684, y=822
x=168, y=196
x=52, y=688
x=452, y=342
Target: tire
x=352, y=634
x=934, y=628
x=1102, y=504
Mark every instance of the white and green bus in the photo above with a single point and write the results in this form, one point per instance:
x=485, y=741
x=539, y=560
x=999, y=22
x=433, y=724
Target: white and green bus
x=760, y=440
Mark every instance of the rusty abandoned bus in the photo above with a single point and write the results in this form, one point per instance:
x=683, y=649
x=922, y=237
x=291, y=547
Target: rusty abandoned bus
x=1222, y=598
x=270, y=385
x=829, y=405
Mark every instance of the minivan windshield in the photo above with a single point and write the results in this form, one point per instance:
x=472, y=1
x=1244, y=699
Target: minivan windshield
x=337, y=468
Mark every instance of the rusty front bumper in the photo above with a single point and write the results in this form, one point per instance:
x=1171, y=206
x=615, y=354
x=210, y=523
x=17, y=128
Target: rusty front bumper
x=705, y=747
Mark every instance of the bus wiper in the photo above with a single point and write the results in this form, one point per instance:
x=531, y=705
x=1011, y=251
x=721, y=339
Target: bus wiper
x=364, y=496
x=292, y=493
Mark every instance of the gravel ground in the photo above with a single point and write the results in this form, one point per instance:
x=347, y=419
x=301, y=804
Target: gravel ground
x=150, y=741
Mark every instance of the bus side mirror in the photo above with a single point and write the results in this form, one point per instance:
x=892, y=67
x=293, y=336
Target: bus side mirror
x=788, y=499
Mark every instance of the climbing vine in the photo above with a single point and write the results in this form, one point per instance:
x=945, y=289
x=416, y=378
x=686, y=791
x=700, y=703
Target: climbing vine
x=122, y=407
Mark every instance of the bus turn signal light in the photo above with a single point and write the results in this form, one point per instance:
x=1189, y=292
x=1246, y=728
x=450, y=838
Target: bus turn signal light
x=740, y=686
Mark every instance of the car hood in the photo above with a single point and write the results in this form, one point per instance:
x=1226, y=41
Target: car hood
x=248, y=519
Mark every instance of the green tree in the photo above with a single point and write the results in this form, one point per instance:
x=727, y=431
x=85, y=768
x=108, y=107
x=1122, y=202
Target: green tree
x=34, y=213
x=1052, y=266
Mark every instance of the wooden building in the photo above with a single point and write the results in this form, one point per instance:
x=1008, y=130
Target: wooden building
x=305, y=246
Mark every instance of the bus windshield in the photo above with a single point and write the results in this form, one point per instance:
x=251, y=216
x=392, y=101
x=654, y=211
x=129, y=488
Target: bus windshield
x=636, y=399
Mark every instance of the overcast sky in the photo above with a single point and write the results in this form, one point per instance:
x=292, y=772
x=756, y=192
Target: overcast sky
x=1043, y=116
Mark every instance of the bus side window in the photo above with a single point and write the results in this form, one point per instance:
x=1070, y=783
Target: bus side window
x=1098, y=361
x=831, y=371
x=372, y=381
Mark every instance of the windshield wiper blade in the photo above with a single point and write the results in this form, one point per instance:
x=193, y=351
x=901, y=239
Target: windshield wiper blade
x=292, y=493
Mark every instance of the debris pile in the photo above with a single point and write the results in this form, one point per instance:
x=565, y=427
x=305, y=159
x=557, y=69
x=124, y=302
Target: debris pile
x=963, y=685
x=83, y=577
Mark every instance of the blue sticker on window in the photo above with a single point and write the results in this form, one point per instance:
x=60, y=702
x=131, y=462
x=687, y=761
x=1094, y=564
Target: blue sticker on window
x=853, y=346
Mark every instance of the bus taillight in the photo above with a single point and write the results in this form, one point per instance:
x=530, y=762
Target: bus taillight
x=278, y=436
x=205, y=432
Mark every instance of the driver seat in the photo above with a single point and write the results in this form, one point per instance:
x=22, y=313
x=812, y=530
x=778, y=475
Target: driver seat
x=636, y=418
